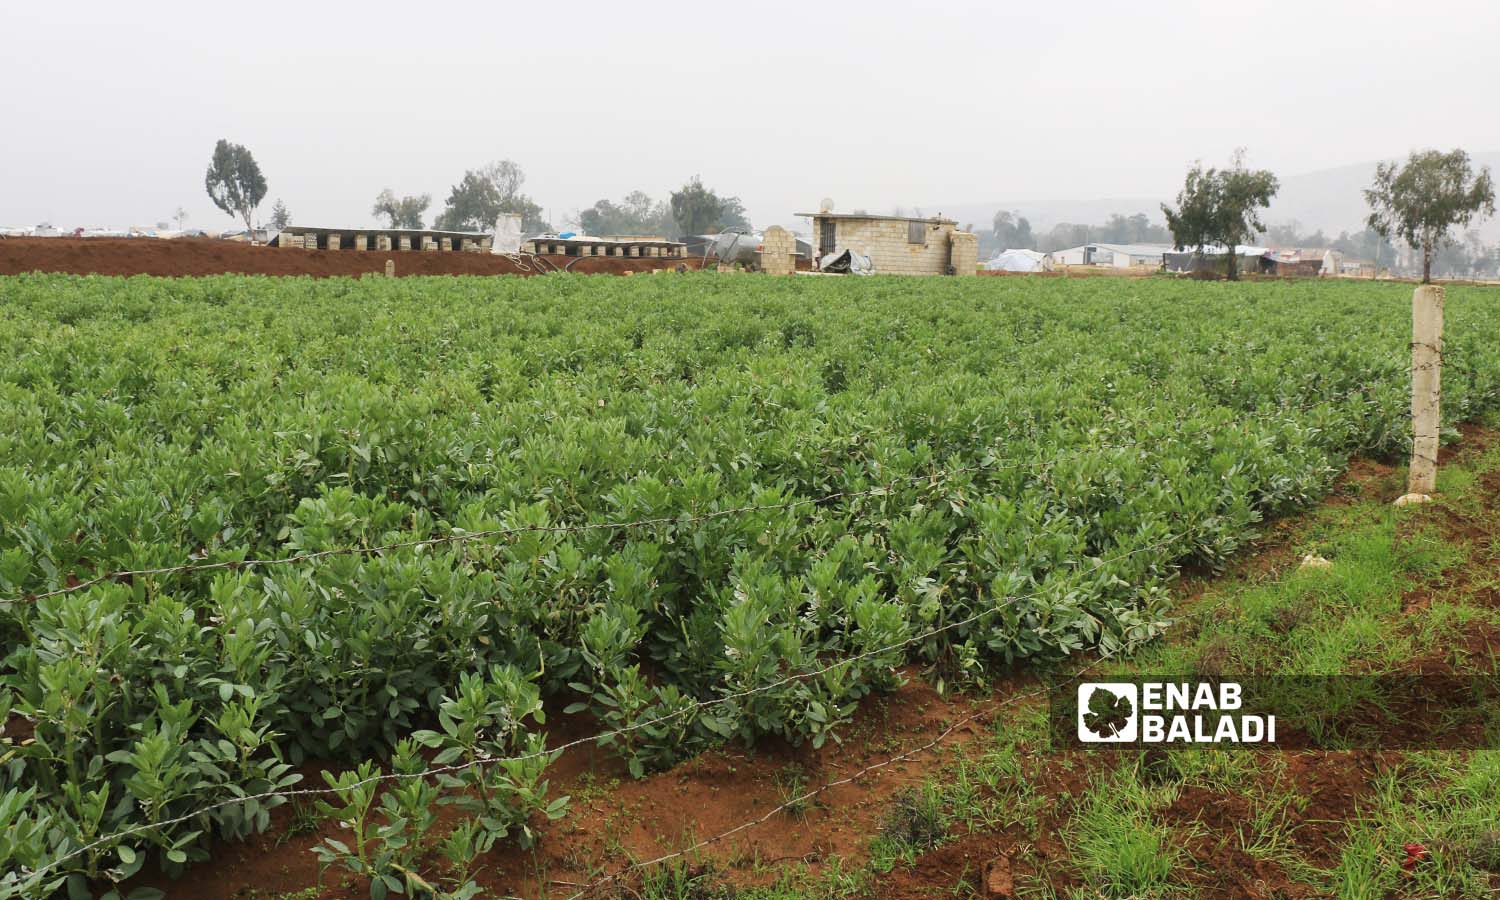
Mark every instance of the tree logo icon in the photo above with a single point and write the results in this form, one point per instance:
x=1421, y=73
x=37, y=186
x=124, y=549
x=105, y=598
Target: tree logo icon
x=1107, y=713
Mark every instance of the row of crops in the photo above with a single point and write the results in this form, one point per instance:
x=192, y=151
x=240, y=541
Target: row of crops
x=1021, y=466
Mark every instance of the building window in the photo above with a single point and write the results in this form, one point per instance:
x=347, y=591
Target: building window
x=916, y=232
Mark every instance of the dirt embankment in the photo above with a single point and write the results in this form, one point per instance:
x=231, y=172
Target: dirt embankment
x=204, y=256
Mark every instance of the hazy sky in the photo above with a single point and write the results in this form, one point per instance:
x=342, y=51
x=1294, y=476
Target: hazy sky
x=111, y=109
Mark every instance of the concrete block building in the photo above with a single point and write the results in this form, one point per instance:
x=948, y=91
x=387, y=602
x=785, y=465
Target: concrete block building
x=307, y=237
x=897, y=245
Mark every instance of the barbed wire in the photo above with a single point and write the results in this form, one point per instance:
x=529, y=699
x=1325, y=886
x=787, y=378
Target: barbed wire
x=36, y=875
x=988, y=711
x=932, y=477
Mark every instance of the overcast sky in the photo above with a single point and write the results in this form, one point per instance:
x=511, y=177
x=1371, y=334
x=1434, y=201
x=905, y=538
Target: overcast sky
x=110, y=110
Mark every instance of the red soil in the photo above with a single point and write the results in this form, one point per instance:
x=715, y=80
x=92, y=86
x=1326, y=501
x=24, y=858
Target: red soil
x=204, y=256
x=614, y=818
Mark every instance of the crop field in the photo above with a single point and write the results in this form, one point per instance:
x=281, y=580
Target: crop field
x=398, y=544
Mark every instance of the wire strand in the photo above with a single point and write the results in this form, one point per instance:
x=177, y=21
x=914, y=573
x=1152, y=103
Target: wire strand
x=1099, y=563
x=933, y=477
x=796, y=801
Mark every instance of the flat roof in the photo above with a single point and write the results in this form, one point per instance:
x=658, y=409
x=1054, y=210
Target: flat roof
x=1138, y=249
x=1131, y=249
x=935, y=220
x=323, y=229
x=591, y=239
x=1219, y=250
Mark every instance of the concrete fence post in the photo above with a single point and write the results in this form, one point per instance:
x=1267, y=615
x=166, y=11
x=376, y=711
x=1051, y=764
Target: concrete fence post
x=1426, y=390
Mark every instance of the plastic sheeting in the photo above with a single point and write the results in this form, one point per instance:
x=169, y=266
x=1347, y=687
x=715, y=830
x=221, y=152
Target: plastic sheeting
x=507, y=234
x=736, y=247
x=846, y=261
x=1017, y=261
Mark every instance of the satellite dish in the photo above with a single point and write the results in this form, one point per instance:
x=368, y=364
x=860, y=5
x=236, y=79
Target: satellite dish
x=826, y=205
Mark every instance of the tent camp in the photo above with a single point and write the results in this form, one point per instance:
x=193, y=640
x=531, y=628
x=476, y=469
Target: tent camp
x=1017, y=261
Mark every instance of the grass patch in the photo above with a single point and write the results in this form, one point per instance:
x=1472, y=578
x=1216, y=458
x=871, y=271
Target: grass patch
x=1433, y=831
x=1117, y=844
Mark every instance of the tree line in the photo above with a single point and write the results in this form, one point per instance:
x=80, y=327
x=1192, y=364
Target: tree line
x=1010, y=231
x=237, y=186
x=1419, y=202
x=483, y=194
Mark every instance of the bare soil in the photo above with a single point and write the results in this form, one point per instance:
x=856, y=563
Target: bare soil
x=206, y=256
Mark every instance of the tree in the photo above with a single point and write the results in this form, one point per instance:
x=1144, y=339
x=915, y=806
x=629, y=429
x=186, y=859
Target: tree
x=636, y=214
x=1140, y=230
x=234, y=182
x=281, y=217
x=1064, y=235
x=698, y=210
x=1115, y=231
x=1013, y=231
x=484, y=193
x=1468, y=257
x=1365, y=244
x=732, y=215
x=1289, y=234
x=1420, y=201
x=402, y=212
x=472, y=201
x=1220, y=206
x=181, y=216
x=1118, y=229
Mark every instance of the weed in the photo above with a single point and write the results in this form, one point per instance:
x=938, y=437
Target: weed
x=791, y=790
x=917, y=819
x=1116, y=842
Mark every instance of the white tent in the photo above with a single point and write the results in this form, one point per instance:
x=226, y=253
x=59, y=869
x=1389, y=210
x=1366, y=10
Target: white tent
x=1017, y=261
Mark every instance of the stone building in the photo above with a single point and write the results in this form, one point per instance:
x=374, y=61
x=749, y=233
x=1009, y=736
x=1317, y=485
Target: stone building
x=897, y=245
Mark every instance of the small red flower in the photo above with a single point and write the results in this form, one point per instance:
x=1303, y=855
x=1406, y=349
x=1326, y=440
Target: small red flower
x=1415, y=853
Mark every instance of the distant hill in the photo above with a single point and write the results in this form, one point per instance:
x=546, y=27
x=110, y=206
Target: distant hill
x=1329, y=199
x=1332, y=199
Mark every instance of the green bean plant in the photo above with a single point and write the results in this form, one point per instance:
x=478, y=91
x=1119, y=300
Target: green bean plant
x=497, y=765
x=693, y=510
